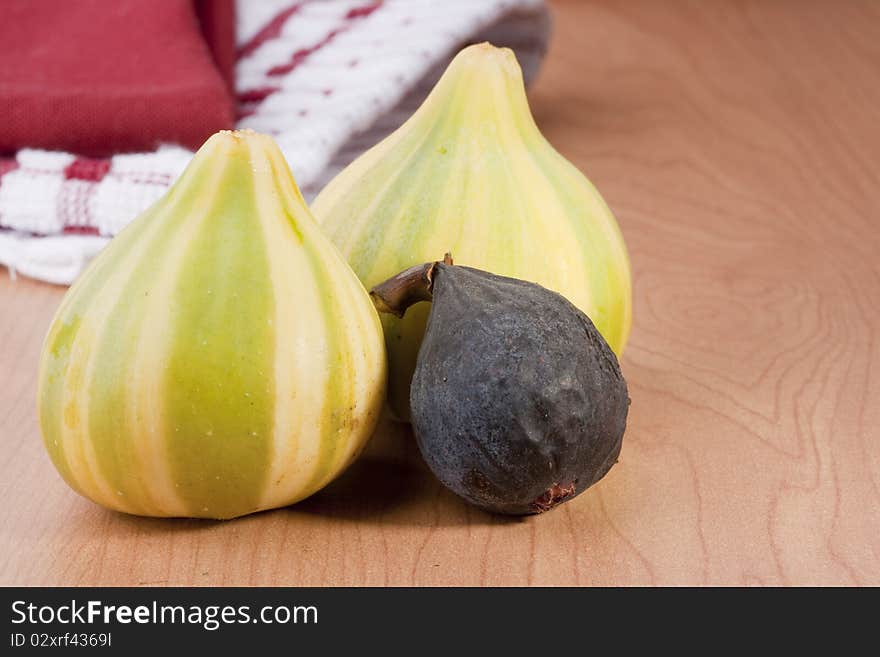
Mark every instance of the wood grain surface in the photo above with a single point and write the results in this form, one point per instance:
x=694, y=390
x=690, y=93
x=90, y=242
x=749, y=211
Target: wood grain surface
x=739, y=145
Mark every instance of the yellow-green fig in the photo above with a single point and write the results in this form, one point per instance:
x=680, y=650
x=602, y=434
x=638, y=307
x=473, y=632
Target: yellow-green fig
x=470, y=173
x=219, y=357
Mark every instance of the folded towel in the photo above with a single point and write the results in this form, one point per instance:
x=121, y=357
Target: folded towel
x=98, y=78
x=326, y=78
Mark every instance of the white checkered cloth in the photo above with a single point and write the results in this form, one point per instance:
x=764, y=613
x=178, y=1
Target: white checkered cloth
x=326, y=78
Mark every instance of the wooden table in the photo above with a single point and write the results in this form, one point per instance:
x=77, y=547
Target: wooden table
x=739, y=145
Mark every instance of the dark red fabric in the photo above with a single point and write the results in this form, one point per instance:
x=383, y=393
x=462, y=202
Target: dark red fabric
x=97, y=77
x=217, y=18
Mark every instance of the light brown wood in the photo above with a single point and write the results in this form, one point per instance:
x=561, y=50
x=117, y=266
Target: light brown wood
x=739, y=145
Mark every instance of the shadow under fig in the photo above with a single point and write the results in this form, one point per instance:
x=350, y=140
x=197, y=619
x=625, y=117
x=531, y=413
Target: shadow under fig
x=393, y=493
x=390, y=484
x=370, y=486
x=386, y=479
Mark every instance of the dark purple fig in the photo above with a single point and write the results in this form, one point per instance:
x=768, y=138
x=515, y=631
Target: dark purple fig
x=517, y=401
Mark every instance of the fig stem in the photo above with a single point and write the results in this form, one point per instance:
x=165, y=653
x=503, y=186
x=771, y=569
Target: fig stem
x=408, y=287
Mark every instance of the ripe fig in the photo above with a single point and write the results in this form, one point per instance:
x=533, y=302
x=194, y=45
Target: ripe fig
x=517, y=401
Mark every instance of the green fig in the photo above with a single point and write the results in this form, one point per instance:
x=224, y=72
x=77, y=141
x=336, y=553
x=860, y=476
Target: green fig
x=471, y=173
x=219, y=357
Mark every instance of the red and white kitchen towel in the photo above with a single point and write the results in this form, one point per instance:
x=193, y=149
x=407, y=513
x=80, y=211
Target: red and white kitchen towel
x=326, y=78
